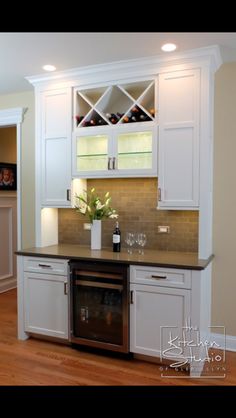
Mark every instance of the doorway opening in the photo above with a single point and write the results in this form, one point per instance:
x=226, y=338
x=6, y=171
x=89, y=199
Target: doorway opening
x=8, y=207
x=11, y=118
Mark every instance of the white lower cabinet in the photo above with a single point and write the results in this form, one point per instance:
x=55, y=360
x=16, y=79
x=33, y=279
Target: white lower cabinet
x=160, y=309
x=46, y=299
x=157, y=317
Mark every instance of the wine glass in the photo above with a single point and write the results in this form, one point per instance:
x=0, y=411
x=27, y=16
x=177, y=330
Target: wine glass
x=141, y=240
x=130, y=240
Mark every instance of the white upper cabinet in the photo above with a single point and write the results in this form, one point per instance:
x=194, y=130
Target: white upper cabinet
x=178, y=157
x=129, y=151
x=56, y=147
x=115, y=130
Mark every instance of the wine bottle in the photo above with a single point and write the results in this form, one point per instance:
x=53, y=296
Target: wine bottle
x=116, y=238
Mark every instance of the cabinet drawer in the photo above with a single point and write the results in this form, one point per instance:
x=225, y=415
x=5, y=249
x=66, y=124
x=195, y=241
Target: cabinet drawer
x=156, y=276
x=46, y=265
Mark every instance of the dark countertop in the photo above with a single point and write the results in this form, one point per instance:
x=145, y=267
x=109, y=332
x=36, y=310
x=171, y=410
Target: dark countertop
x=156, y=258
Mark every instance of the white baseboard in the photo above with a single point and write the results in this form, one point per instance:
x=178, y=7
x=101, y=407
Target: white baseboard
x=7, y=284
x=227, y=342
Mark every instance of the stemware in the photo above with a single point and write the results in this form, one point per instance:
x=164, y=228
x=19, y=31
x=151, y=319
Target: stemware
x=130, y=240
x=141, y=240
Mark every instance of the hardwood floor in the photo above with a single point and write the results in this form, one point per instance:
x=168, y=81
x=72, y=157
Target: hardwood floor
x=36, y=362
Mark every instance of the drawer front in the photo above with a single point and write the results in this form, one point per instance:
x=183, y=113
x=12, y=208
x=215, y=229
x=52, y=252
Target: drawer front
x=156, y=276
x=46, y=265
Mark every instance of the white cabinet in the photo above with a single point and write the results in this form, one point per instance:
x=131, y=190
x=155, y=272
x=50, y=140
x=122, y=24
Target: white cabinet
x=46, y=297
x=158, y=310
x=178, y=164
x=154, y=314
x=56, y=121
x=115, y=131
x=125, y=151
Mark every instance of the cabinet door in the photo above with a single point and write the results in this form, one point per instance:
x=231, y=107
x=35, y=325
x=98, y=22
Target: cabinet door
x=155, y=315
x=135, y=151
x=92, y=150
x=178, y=177
x=46, y=304
x=124, y=151
x=56, y=147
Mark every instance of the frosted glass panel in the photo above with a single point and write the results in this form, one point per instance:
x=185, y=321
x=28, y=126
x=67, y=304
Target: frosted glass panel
x=92, y=152
x=135, y=150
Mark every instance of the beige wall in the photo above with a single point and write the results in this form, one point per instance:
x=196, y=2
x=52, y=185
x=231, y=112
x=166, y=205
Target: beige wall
x=26, y=100
x=224, y=218
x=8, y=145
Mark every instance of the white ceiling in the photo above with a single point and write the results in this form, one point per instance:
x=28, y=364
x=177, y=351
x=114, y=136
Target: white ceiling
x=23, y=54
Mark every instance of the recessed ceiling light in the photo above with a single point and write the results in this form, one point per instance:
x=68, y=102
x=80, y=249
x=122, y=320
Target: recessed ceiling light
x=49, y=67
x=168, y=47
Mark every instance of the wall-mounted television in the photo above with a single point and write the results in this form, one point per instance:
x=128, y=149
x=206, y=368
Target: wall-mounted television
x=8, y=180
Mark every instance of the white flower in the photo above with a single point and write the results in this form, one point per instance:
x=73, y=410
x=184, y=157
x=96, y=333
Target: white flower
x=90, y=204
x=99, y=205
x=113, y=215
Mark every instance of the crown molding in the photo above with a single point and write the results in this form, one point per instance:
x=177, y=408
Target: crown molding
x=210, y=56
x=12, y=116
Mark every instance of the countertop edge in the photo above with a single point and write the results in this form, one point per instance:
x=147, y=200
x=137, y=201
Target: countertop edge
x=189, y=266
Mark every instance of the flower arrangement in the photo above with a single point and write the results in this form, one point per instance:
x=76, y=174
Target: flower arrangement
x=90, y=204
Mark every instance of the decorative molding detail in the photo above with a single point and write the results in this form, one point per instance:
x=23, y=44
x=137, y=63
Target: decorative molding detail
x=12, y=116
x=227, y=342
x=145, y=64
x=8, y=285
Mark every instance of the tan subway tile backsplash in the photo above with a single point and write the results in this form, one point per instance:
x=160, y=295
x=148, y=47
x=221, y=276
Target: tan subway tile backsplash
x=135, y=200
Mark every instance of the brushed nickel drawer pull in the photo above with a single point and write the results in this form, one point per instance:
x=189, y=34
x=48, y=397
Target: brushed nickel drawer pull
x=45, y=266
x=158, y=277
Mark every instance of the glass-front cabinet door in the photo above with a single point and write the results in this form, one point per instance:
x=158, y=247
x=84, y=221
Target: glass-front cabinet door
x=136, y=151
x=91, y=153
x=127, y=151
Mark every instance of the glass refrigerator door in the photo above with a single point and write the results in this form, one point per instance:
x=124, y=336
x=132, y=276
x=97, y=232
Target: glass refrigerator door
x=98, y=314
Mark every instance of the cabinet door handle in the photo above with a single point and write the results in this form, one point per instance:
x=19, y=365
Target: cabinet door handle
x=158, y=277
x=65, y=288
x=159, y=194
x=109, y=163
x=131, y=297
x=113, y=163
x=45, y=266
x=68, y=195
